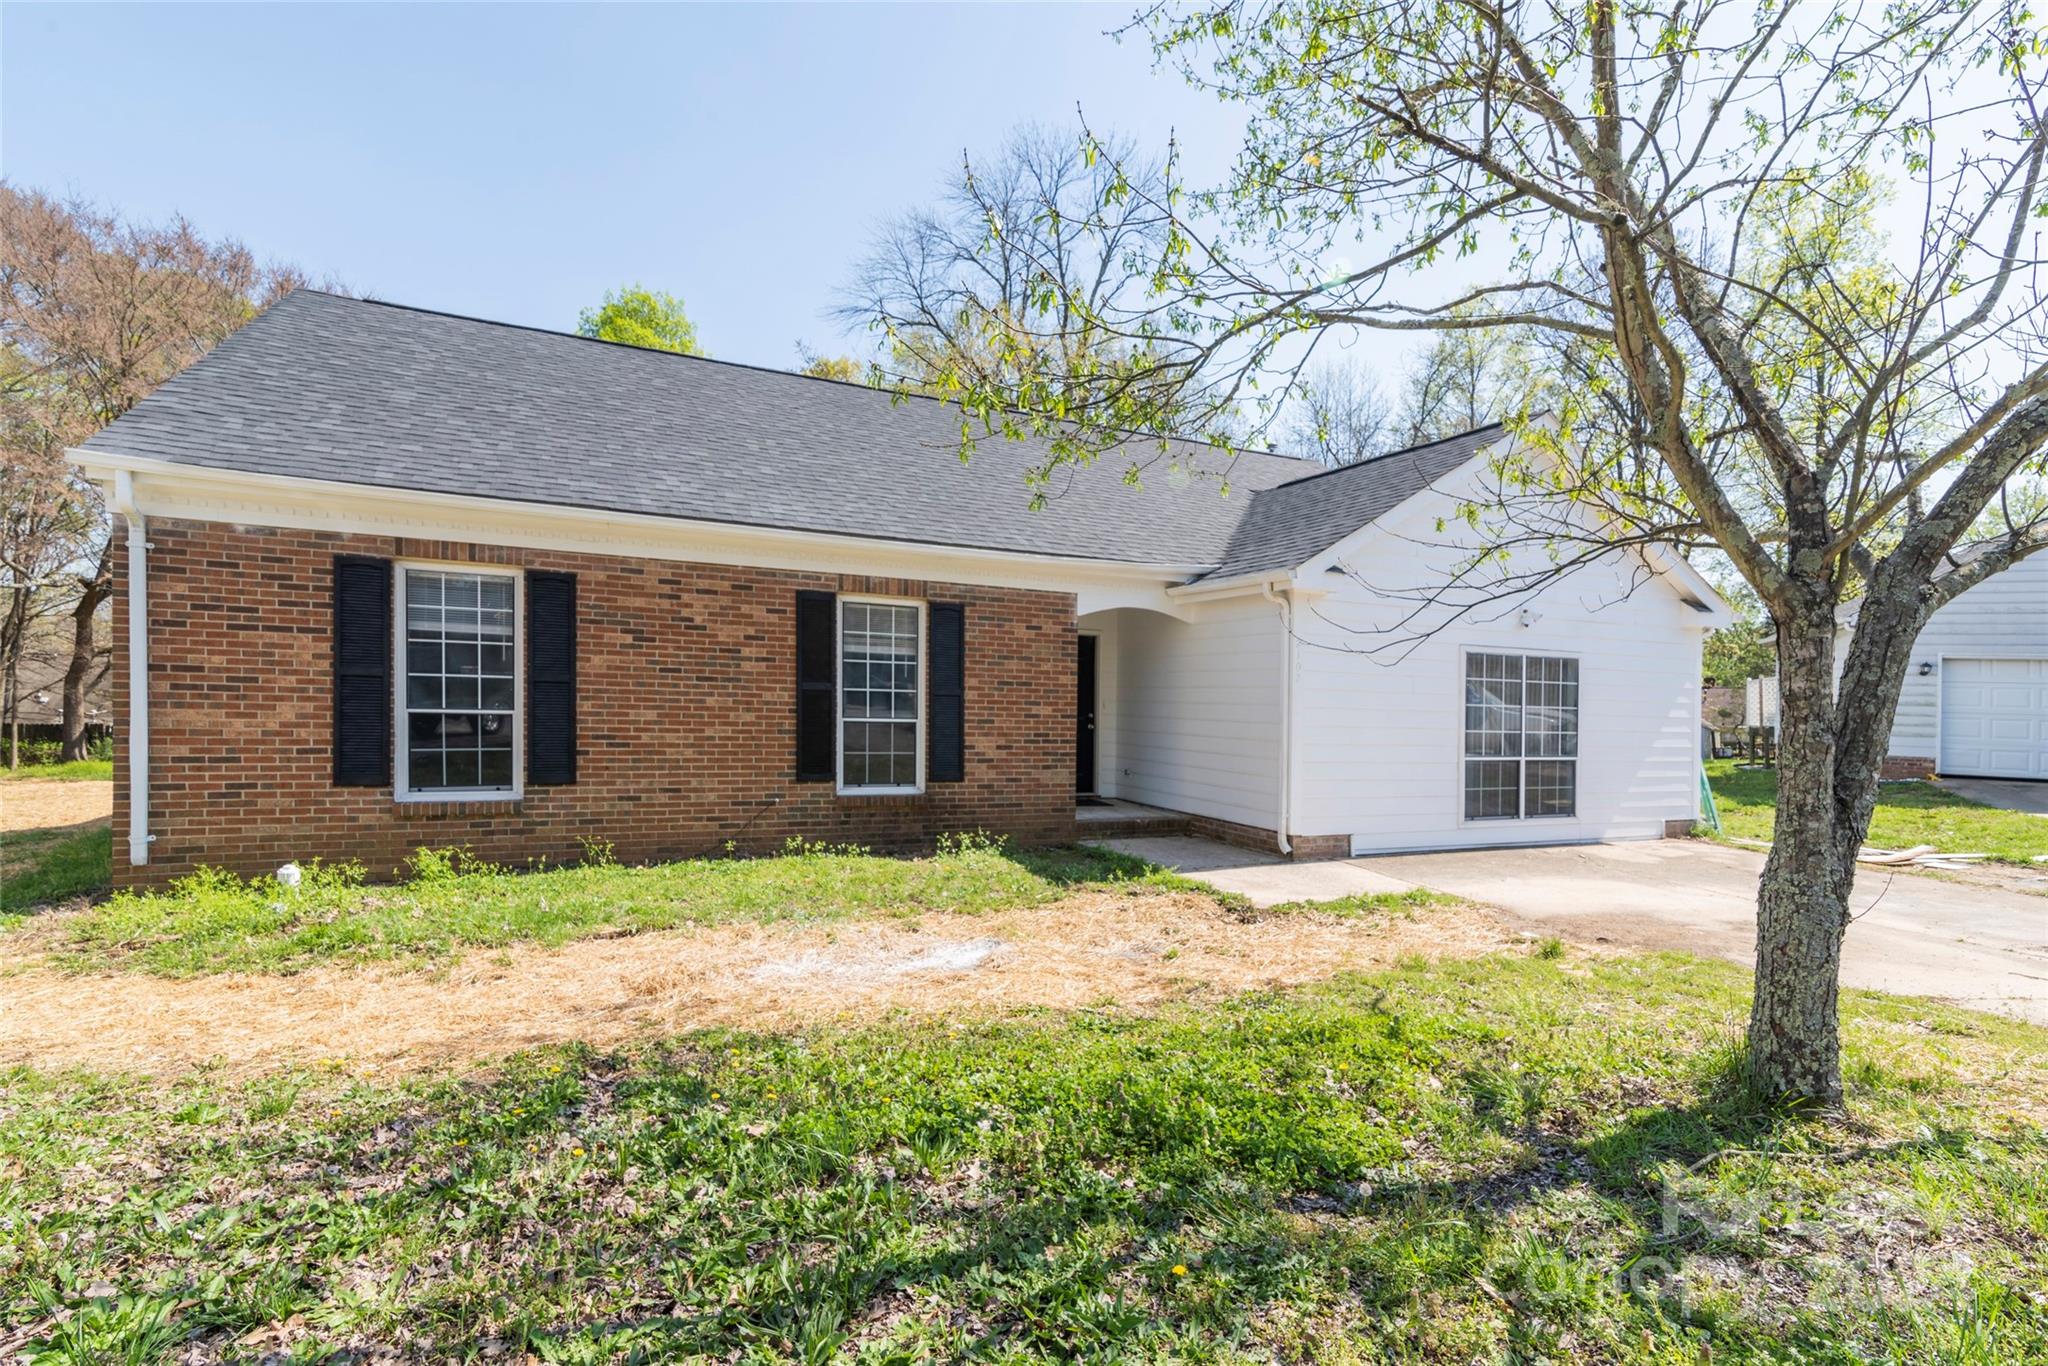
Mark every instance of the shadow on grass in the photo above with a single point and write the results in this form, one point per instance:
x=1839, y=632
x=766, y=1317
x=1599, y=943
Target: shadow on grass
x=41, y=868
x=1073, y=866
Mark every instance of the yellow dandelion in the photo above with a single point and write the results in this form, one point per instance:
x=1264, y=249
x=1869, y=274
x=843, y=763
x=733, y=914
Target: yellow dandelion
x=714, y=1095
x=1179, y=1270
x=575, y=1152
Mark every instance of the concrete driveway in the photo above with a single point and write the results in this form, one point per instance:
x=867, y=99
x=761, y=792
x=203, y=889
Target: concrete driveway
x=2013, y=794
x=1914, y=934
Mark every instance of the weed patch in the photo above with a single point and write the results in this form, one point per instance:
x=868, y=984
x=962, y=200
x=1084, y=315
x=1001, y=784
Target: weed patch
x=1508, y=1158
x=213, y=922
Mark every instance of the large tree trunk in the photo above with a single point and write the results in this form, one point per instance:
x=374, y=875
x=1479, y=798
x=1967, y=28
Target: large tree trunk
x=1832, y=739
x=10, y=690
x=84, y=650
x=1803, y=901
x=13, y=634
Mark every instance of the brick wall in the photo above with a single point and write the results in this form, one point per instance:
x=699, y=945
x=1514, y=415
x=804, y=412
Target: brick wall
x=1306, y=848
x=686, y=714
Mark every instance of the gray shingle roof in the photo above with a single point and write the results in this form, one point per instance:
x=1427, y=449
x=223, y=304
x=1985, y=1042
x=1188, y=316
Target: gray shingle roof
x=324, y=387
x=1293, y=522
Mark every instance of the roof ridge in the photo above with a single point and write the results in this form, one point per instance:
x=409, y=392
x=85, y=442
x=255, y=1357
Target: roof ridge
x=891, y=394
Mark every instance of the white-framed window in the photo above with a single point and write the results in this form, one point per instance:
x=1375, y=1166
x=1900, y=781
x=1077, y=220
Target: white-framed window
x=1521, y=752
x=881, y=696
x=458, y=683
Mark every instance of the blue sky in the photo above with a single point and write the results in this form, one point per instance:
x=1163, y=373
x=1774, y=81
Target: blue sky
x=515, y=161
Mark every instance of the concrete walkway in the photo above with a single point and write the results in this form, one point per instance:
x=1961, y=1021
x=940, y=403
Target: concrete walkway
x=1262, y=879
x=1914, y=934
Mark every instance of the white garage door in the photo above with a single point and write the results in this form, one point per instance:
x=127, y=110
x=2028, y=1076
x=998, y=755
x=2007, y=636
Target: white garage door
x=1994, y=717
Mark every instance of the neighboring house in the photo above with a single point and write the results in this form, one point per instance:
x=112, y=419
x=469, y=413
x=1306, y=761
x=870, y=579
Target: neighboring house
x=414, y=579
x=45, y=660
x=1975, y=700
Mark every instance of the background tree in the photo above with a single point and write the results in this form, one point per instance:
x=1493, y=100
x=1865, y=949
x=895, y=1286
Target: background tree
x=1735, y=654
x=991, y=296
x=95, y=313
x=1466, y=379
x=1683, y=201
x=1342, y=417
x=845, y=369
x=639, y=316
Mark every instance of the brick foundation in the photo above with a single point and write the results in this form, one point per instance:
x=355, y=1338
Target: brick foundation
x=686, y=714
x=1900, y=766
x=1307, y=848
x=1310, y=848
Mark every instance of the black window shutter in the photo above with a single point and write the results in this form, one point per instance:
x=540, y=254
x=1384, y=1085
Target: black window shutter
x=946, y=694
x=550, y=678
x=362, y=671
x=817, y=668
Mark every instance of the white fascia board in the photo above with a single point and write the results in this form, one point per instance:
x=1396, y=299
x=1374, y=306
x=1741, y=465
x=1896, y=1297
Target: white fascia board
x=1699, y=592
x=199, y=493
x=1242, y=585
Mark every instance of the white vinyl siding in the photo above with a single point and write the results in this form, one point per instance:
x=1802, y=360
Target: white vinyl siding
x=1379, y=731
x=2003, y=618
x=1197, y=711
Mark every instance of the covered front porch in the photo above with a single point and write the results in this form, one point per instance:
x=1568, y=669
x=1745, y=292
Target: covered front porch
x=1178, y=722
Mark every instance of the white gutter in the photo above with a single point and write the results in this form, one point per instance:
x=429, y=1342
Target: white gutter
x=1286, y=712
x=386, y=503
x=137, y=727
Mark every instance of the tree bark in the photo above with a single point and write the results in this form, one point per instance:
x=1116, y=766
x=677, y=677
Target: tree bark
x=84, y=650
x=1832, y=739
x=12, y=694
x=1803, y=900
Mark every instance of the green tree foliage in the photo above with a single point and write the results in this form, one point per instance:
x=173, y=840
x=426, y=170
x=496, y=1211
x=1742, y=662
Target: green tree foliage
x=1739, y=653
x=1679, y=200
x=639, y=316
x=845, y=369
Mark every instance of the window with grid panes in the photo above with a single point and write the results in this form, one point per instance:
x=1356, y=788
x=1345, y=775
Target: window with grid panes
x=459, y=689
x=881, y=727
x=1521, y=736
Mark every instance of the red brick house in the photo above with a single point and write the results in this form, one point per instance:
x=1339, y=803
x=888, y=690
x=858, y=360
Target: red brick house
x=392, y=578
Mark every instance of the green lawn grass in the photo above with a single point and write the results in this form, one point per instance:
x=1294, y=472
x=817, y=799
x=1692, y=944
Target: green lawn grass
x=41, y=866
x=1522, y=1158
x=1907, y=814
x=214, y=922
x=80, y=770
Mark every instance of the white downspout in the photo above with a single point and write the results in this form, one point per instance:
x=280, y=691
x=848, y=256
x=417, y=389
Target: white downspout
x=1286, y=712
x=137, y=737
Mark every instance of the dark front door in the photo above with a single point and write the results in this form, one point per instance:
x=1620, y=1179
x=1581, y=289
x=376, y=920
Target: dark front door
x=1084, y=719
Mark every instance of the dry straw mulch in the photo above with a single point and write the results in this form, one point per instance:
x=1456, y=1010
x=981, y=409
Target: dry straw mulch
x=33, y=804
x=1090, y=950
